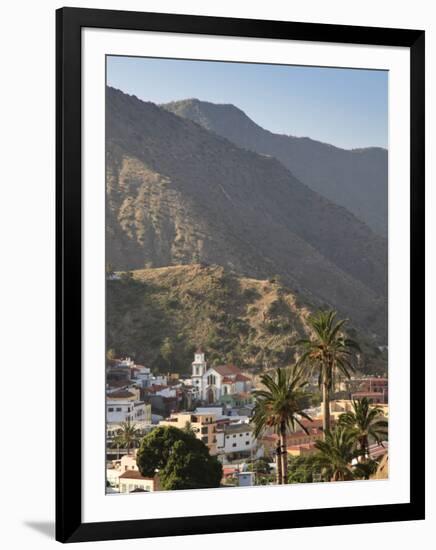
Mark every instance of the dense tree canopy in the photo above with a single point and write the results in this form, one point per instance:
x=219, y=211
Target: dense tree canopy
x=183, y=461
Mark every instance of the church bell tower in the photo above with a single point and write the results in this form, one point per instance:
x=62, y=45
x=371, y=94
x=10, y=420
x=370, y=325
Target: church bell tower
x=199, y=367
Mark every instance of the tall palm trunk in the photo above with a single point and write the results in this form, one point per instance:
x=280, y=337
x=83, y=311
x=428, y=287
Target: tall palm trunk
x=279, y=463
x=337, y=476
x=284, y=448
x=326, y=409
x=364, y=447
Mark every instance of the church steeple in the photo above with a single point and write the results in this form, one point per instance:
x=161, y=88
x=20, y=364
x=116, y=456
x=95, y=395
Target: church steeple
x=199, y=364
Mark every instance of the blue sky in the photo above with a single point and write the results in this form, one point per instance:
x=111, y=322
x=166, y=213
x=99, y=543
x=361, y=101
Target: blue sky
x=345, y=107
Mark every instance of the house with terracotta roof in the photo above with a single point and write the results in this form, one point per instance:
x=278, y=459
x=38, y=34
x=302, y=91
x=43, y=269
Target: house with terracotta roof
x=212, y=383
x=132, y=481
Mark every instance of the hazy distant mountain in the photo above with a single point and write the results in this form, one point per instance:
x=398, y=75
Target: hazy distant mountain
x=180, y=194
x=356, y=179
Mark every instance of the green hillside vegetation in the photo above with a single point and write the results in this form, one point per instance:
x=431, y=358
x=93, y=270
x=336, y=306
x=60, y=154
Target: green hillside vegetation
x=160, y=315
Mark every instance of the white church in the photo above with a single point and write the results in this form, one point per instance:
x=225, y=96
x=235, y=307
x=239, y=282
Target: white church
x=214, y=382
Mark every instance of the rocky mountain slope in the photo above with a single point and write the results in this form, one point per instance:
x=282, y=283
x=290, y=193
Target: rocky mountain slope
x=356, y=179
x=180, y=194
x=161, y=315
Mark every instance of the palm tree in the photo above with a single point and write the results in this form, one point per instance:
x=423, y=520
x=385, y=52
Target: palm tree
x=117, y=443
x=367, y=423
x=364, y=470
x=279, y=406
x=328, y=352
x=336, y=453
x=127, y=436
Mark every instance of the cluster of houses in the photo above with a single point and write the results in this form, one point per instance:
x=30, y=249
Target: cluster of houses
x=216, y=403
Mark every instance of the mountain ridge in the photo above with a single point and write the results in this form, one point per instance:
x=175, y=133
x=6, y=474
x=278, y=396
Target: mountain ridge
x=353, y=178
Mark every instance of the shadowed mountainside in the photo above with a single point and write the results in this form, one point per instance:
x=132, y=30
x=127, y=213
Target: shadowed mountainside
x=180, y=194
x=356, y=179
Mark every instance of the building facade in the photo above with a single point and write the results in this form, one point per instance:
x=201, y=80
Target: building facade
x=236, y=439
x=127, y=410
x=214, y=383
x=203, y=426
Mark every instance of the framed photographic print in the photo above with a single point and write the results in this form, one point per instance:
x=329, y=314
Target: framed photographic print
x=240, y=274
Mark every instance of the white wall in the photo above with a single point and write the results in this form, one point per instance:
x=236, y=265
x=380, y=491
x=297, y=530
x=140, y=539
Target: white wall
x=27, y=229
x=236, y=442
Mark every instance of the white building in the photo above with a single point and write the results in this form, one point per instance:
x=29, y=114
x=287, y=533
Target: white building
x=126, y=363
x=214, y=382
x=132, y=481
x=142, y=375
x=158, y=380
x=126, y=410
x=236, y=438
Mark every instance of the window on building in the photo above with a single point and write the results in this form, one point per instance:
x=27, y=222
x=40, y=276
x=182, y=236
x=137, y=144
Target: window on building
x=118, y=409
x=111, y=409
x=204, y=430
x=247, y=443
x=234, y=445
x=205, y=439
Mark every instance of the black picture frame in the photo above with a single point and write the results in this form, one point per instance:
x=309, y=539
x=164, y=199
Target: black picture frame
x=69, y=22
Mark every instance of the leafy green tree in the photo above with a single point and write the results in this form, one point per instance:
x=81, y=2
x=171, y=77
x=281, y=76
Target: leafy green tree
x=364, y=470
x=182, y=460
x=328, y=353
x=188, y=428
x=336, y=454
x=117, y=443
x=111, y=355
x=367, y=423
x=167, y=353
x=260, y=466
x=127, y=437
x=279, y=406
x=301, y=468
x=127, y=276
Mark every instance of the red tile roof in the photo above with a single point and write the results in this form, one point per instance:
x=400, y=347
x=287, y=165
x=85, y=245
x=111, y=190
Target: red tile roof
x=377, y=449
x=121, y=394
x=117, y=383
x=133, y=474
x=367, y=394
x=155, y=387
x=242, y=378
x=306, y=446
x=226, y=370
